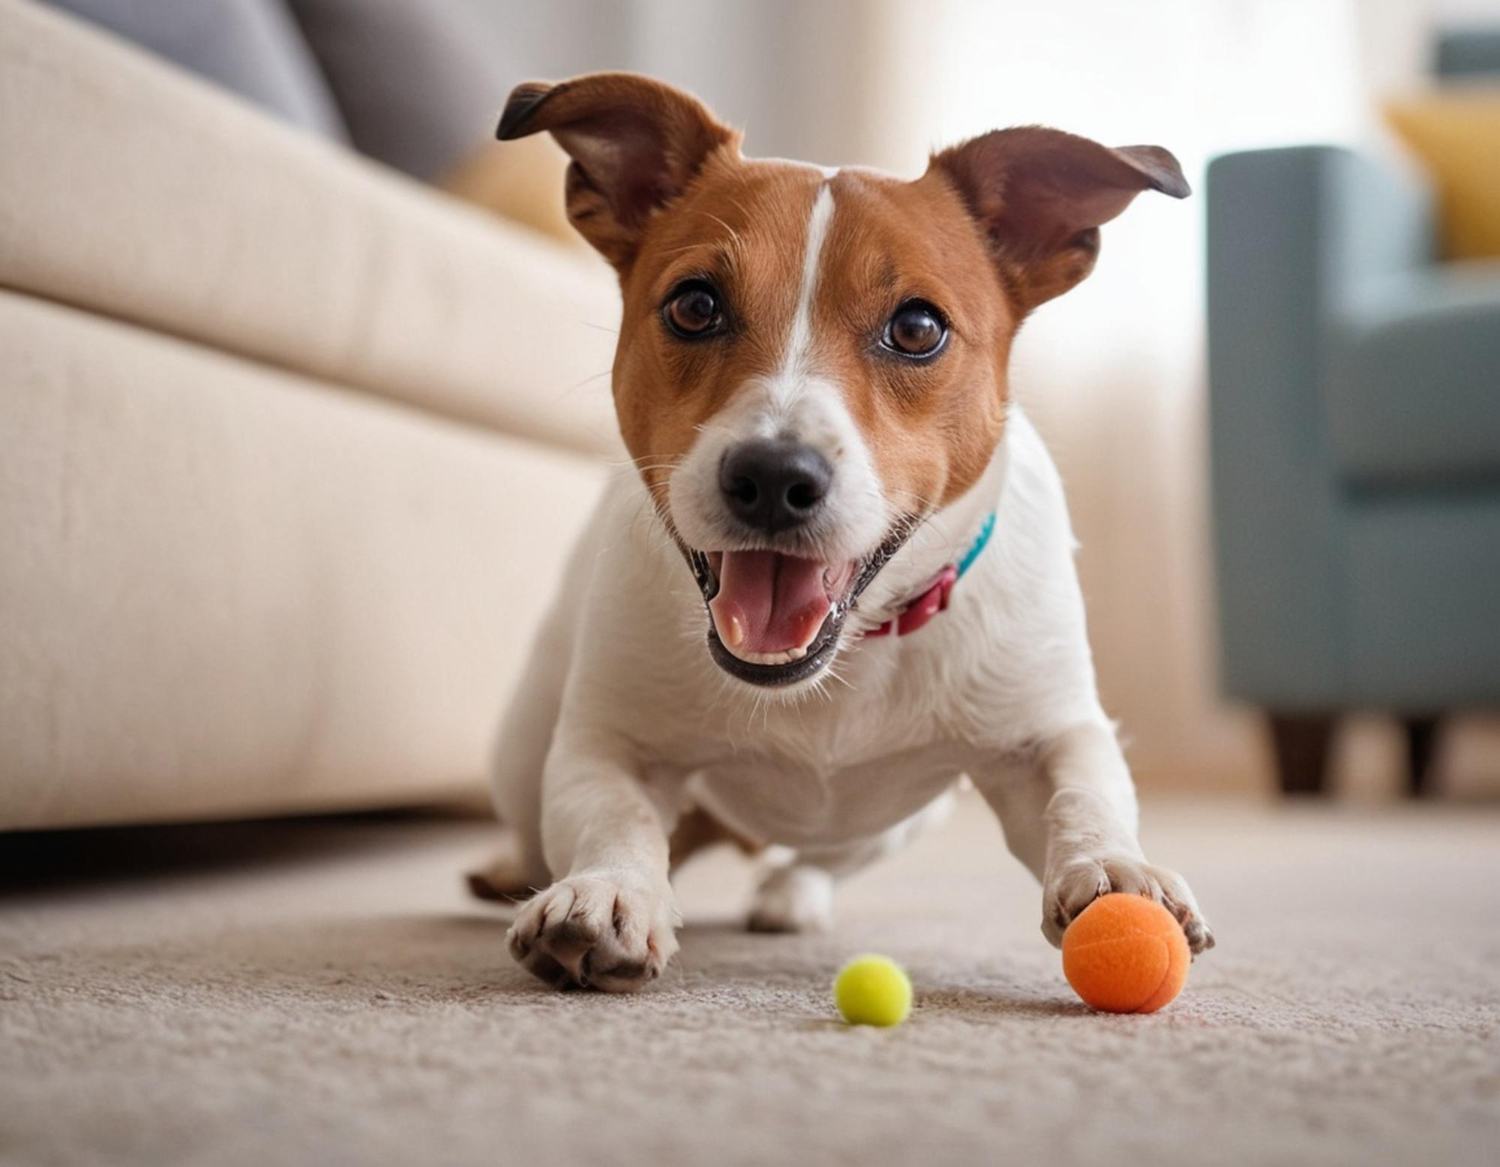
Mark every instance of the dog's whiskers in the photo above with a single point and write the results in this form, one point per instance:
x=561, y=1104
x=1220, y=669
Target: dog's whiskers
x=586, y=381
x=734, y=235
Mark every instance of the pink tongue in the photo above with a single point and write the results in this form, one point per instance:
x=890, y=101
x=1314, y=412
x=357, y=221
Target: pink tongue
x=771, y=602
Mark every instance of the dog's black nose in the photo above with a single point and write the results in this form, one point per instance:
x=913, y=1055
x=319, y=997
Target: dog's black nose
x=773, y=485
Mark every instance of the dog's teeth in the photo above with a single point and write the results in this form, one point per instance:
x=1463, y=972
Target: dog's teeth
x=729, y=622
x=785, y=657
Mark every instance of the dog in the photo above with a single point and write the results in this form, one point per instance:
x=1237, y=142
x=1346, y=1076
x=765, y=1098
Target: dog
x=838, y=577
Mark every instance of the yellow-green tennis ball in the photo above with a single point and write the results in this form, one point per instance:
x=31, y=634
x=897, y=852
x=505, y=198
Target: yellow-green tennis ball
x=872, y=990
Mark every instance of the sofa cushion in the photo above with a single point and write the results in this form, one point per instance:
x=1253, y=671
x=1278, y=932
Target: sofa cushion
x=228, y=590
x=252, y=47
x=1468, y=52
x=207, y=219
x=1412, y=394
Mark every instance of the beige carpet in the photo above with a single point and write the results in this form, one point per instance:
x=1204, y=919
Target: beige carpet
x=323, y=993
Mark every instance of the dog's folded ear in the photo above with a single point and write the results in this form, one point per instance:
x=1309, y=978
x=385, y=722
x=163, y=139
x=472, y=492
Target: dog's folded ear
x=1040, y=195
x=635, y=144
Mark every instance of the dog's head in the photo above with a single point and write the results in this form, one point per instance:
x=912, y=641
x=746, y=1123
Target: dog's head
x=811, y=363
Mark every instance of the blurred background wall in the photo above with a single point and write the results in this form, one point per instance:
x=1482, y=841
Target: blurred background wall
x=1113, y=372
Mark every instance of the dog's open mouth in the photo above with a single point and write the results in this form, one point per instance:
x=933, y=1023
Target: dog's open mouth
x=774, y=619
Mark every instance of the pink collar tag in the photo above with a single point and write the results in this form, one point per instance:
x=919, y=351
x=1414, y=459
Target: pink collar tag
x=922, y=609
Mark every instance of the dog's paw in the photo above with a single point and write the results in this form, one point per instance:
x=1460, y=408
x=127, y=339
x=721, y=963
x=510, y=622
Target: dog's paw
x=595, y=931
x=794, y=898
x=510, y=875
x=1078, y=883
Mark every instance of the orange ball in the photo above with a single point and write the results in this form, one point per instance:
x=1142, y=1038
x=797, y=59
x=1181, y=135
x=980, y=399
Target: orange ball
x=1125, y=954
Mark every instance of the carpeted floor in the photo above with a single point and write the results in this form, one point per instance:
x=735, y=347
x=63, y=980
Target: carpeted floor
x=323, y=993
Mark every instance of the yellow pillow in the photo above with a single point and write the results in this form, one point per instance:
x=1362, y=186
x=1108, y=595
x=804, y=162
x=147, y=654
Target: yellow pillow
x=520, y=180
x=1456, y=132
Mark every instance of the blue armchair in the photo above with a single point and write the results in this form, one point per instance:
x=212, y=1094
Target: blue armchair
x=1355, y=442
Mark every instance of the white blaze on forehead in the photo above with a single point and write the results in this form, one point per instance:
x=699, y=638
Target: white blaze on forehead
x=799, y=341
x=794, y=403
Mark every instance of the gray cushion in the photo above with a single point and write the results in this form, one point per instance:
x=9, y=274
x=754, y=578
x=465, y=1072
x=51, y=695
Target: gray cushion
x=251, y=47
x=1412, y=395
x=1468, y=52
x=419, y=84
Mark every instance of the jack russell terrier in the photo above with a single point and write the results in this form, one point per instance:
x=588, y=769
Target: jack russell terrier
x=840, y=575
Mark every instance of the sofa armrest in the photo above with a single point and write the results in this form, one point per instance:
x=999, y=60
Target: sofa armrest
x=1290, y=231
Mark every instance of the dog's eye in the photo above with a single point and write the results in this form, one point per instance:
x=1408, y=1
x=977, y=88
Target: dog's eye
x=916, y=330
x=693, y=310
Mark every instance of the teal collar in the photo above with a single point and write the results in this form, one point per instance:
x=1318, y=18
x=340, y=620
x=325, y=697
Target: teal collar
x=933, y=599
x=981, y=541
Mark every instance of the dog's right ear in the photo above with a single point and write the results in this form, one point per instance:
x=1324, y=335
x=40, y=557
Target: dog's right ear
x=635, y=144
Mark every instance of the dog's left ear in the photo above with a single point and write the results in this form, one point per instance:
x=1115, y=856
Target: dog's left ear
x=1040, y=195
x=636, y=144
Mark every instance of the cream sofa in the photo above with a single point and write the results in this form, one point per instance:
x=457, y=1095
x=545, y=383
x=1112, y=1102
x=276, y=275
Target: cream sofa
x=291, y=449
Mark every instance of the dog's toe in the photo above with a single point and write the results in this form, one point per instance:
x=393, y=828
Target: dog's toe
x=1079, y=883
x=590, y=932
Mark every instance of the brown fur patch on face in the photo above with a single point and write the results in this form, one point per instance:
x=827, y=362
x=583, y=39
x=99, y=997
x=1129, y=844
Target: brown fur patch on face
x=931, y=425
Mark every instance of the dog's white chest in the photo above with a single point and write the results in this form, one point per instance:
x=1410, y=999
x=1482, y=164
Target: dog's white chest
x=778, y=797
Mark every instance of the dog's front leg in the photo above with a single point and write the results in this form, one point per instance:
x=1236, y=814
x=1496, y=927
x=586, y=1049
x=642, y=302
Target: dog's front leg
x=611, y=921
x=1069, y=813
